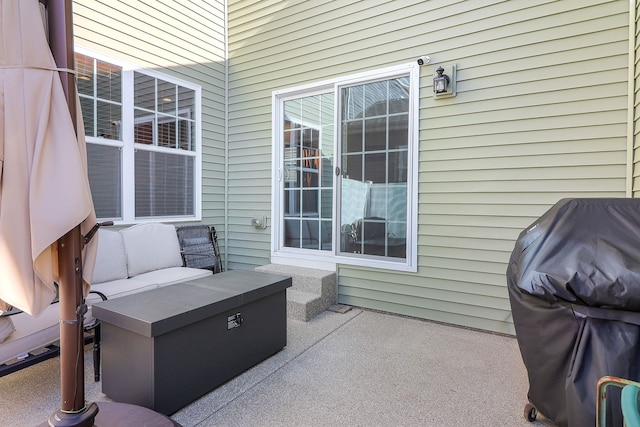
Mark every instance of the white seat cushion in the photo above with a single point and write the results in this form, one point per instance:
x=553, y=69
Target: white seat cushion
x=120, y=288
x=173, y=275
x=31, y=333
x=150, y=247
x=145, y=282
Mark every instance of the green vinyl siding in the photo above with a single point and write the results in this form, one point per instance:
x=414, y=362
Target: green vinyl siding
x=634, y=72
x=540, y=115
x=180, y=38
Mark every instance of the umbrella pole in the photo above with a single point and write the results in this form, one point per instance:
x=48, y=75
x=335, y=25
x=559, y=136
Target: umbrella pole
x=73, y=411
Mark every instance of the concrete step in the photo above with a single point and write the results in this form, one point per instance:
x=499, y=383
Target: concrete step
x=303, y=305
x=304, y=279
x=312, y=291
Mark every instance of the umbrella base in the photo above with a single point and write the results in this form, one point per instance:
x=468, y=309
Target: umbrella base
x=80, y=419
x=111, y=414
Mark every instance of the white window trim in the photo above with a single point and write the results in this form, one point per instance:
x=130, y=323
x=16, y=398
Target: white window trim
x=127, y=128
x=329, y=259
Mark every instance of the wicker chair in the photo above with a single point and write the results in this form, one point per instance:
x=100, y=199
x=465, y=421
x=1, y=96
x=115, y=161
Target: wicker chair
x=199, y=247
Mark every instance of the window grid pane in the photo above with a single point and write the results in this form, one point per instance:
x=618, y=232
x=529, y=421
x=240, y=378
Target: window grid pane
x=108, y=82
x=164, y=113
x=88, y=115
x=375, y=168
x=308, y=172
x=100, y=90
x=108, y=120
x=105, y=178
x=144, y=95
x=85, y=72
x=164, y=184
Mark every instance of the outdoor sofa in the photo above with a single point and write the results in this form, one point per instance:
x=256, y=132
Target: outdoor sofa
x=134, y=259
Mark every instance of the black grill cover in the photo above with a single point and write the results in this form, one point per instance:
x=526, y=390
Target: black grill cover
x=574, y=288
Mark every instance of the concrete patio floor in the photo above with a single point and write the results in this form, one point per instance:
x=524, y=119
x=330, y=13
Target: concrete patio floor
x=360, y=368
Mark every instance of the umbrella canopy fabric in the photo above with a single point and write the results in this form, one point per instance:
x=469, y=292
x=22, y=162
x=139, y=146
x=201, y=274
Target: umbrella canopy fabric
x=44, y=189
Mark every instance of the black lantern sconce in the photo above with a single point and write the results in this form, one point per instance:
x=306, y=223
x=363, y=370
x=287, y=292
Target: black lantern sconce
x=444, y=81
x=441, y=82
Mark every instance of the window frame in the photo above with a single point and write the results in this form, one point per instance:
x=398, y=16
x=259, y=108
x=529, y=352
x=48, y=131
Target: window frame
x=128, y=146
x=329, y=259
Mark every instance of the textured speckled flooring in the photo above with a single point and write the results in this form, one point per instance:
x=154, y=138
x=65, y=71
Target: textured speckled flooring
x=360, y=368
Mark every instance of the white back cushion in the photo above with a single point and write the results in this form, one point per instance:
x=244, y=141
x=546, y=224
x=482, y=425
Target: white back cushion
x=150, y=247
x=111, y=262
x=6, y=328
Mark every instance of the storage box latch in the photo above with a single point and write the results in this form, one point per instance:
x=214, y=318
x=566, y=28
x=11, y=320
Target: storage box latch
x=234, y=321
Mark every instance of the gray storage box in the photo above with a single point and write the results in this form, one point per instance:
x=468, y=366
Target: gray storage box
x=164, y=348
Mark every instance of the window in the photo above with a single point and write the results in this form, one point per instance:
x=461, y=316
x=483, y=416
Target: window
x=143, y=146
x=346, y=154
x=308, y=139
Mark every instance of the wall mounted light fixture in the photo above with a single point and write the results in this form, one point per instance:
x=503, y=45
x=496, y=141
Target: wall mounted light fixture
x=444, y=81
x=441, y=82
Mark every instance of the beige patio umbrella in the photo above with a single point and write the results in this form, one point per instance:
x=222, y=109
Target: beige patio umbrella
x=44, y=188
x=45, y=198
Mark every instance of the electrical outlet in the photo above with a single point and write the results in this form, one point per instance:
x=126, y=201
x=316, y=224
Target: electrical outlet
x=259, y=222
